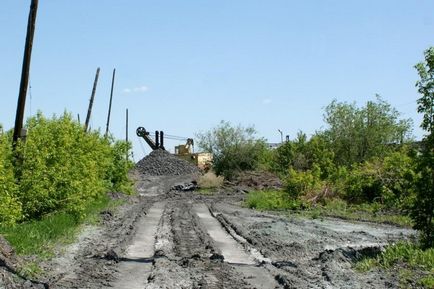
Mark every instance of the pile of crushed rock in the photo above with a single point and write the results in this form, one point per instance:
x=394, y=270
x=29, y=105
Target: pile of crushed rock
x=162, y=163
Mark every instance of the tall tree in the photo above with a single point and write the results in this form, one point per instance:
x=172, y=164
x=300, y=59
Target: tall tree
x=423, y=209
x=357, y=134
x=234, y=148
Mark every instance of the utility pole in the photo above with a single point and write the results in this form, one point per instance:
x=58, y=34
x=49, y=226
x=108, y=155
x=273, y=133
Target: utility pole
x=126, y=131
x=89, y=110
x=31, y=23
x=110, y=104
x=281, y=135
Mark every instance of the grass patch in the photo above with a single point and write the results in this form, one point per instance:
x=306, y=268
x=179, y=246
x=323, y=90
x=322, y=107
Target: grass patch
x=280, y=200
x=364, y=212
x=271, y=200
x=40, y=236
x=206, y=191
x=414, y=264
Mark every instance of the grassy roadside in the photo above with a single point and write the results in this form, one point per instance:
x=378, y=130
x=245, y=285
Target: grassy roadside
x=39, y=238
x=279, y=201
x=415, y=267
x=364, y=212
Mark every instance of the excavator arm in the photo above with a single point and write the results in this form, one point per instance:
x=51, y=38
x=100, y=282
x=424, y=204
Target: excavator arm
x=158, y=144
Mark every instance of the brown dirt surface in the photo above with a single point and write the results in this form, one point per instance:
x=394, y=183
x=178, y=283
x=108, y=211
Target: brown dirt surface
x=257, y=180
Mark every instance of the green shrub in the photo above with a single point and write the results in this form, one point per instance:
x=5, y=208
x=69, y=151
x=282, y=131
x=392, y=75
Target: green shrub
x=389, y=181
x=117, y=174
x=63, y=168
x=304, y=183
x=10, y=207
x=272, y=200
x=234, y=149
x=412, y=261
x=302, y=154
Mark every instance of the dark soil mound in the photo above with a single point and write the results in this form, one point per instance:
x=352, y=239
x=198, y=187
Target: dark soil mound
x=258, y=180
x=162, y=163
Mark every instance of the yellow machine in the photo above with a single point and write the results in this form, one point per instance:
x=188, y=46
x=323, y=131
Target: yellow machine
x=185, y=151
x=201, y=160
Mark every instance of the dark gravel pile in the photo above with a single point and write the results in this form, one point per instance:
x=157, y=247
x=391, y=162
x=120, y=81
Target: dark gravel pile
x=162, y=163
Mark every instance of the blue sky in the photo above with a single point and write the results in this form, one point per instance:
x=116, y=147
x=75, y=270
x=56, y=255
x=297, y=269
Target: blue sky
x=182, y=66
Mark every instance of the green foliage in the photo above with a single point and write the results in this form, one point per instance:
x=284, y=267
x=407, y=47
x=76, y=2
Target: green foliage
x=272, y=200
x=302, y=154
x=39, y=236
x=358, y=134
x=423, y=209
x=58, y=167
x=234, y=149
x=117, y=174
x=10, y=207
x=418, y=263
x=35, y=236
x=338, y=208
x=388, y=181
x=63, y=167
x=306, y=183
x=426, y=88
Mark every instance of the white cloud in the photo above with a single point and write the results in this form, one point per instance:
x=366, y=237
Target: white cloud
x=137, y=89
x=142, y=88
x=266, y=101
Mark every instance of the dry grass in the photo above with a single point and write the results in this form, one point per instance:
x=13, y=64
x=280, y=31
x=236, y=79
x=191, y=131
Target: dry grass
x=210, y=180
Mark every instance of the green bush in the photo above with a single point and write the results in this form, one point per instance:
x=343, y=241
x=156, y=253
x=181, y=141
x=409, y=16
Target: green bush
x=10, y=207
x=117, y=174
x=272, y=200
x=234, y=149
x=61, y=167
x=302, y=154
x=418, y=263
x=238, y=158
x=357, y=134
x=304, y=183
x=389, y=181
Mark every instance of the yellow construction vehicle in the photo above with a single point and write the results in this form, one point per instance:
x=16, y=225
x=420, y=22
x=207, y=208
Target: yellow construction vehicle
x=184, y=151
x=201, y=160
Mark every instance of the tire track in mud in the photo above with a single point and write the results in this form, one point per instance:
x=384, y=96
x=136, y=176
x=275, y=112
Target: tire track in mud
x=184, y=250
x=194, y=251
x=312, y=253
x=231, y=250
x=136, y=264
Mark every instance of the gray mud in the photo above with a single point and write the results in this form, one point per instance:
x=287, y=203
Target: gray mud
x=164, y=238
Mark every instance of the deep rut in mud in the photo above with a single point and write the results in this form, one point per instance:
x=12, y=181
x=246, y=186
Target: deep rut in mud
x=174, y=239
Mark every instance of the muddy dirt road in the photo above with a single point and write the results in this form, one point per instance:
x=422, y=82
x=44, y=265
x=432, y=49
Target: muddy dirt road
x=165, y=238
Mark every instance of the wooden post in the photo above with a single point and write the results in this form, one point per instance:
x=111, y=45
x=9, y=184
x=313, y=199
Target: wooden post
x=25, y=71
x=89, y=110
x=126, y=131
x=110, y=104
